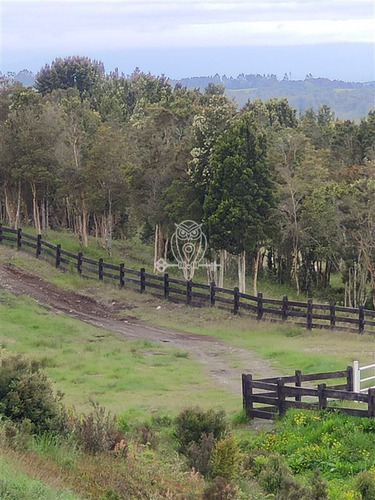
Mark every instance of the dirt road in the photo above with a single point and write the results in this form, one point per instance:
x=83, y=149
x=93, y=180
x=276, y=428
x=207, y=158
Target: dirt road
x=217, y=356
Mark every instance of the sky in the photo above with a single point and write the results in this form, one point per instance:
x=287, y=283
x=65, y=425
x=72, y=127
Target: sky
x=181, y=38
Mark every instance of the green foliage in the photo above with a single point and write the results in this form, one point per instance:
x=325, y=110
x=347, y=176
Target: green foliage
x=26, y=395
x=191, y=423
x=78, y=72
x=365, y=484
x=240, y=196
x=199, y=454
x=17, y=485
x=336, y=444
x=274, y=474
x=226, y=458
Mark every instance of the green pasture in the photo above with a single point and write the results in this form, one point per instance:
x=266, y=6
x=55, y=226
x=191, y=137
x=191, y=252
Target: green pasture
x=86, y=363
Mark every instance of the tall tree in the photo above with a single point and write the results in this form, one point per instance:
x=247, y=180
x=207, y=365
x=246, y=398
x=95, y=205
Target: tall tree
x=240, y=196
x=77, y=72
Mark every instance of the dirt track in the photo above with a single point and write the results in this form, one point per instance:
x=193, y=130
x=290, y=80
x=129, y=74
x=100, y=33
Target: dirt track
x=217, y=356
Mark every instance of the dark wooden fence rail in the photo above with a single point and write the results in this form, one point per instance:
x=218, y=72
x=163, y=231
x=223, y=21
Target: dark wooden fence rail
x=266, y=398
x=305, y=314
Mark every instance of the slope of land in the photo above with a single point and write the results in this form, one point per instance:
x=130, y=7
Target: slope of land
x=211, y=352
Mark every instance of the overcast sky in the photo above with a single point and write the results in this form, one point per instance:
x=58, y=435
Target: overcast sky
x=333, y=38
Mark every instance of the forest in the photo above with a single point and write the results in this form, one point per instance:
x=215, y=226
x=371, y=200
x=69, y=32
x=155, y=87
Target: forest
x=109, y=155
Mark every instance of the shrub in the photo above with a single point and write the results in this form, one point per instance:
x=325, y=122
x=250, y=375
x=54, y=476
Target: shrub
x=226, y=458
x=97, y=431
x=319, y=489
x=221, y=490
x=292, y=490
x=147, y=436
x=274, y=474
x=199, y=454
x=365, y=484
x=191, y=423
x=26, y=394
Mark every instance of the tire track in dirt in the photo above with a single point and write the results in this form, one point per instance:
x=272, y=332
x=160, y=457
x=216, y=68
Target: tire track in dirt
x=216, y=356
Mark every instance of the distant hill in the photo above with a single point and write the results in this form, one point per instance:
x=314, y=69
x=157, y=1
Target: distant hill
x=349, y=100
x=26, y=77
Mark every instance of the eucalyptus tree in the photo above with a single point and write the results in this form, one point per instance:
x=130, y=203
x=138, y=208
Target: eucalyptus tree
x=76, y=140
x=30, y=135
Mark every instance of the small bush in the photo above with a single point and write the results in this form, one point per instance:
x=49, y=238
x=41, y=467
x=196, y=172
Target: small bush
x=319, y=489
x=147, y=436
x=191, y=423
x=365, y=484
x=292, y=490
x=199, y=454
x=221, y=490
x=26, y=394
x=97, y=431
x=274, y=474
x=226, y=458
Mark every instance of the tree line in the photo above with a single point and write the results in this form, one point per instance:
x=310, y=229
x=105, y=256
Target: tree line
x=113, y=155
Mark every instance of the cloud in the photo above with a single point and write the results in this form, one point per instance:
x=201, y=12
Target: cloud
x=95, y=24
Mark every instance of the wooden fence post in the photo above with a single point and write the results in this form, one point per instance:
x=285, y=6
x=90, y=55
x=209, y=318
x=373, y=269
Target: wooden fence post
x=58, y=256
x=166, y=285
x=122, y=275
x=1, y=233
x=260, y=305
x=371, y=402
x=361, y=317
x=322, y=404
x=298, y=383
x=332, y=315
x=309, y=314
x=100, y=269
x=247, y=393
x=349, y=379
x=38, y=250
x=142, y=280
x=281, y=396
x=236, y=300
x=285, y=307
x=189, y=286
x=19, y=238
x=79, y=263
x=212, y=293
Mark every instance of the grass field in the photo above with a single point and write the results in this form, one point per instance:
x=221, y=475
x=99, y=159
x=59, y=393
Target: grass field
x=287, y=346
x=87, y=362
x=138, y=379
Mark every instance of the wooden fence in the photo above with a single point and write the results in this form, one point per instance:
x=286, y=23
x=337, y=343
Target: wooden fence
x=268, y=397
x=305, y=314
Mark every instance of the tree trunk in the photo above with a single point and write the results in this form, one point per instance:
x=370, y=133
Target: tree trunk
x=158, y=246
x=108, y=227
x=295, y=265
x=256, y=270
x=223, y=263
x=44, y=216
x=166, y=248
x=36, y=214
x=242, y=271
x=18, y=213
x=83, y=225
x=10, y=207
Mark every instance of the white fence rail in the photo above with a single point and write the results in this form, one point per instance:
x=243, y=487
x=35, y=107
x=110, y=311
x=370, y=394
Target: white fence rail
x=359, y=377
